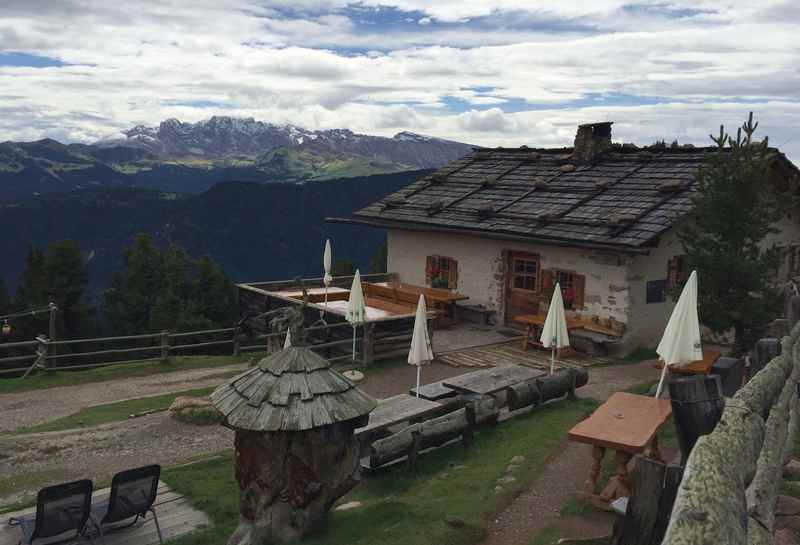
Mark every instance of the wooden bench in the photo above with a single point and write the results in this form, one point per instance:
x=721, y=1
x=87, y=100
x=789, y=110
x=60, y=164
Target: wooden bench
x=470, y=312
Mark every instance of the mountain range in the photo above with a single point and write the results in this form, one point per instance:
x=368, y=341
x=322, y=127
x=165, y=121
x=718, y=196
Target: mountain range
x=192, y=157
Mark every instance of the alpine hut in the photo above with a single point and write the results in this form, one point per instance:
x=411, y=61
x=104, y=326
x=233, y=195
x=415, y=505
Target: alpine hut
x=296, y=452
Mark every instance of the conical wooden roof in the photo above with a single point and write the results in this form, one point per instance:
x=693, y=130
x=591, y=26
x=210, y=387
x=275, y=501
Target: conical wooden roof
x=291, y=390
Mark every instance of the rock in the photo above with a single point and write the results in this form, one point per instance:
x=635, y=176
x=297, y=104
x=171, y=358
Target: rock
x=354, y=375
x=459, y=468
x=518, y=460
x=498, y=489
x=787, y=506
x=195, y=410
x=455, y=522
x=791, y=471
x=786, y=537
x=512, y=468
x=349, y=505
x=507, y=479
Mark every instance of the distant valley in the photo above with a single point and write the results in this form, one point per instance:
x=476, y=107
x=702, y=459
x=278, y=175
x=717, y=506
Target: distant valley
x=255, y=231
x=192, y=157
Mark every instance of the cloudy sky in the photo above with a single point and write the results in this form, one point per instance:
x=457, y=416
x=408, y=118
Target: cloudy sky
x=507, y=72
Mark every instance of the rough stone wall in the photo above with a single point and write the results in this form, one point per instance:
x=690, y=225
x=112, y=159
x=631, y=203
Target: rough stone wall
x=481, y=270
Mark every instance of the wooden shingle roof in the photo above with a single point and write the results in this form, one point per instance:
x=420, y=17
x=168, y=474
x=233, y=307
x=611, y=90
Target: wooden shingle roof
x=622, y=201
x=291, y=390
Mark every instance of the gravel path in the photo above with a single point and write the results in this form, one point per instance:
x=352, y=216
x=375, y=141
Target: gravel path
x=39, y=459
x=38, y=406
x=565, y=473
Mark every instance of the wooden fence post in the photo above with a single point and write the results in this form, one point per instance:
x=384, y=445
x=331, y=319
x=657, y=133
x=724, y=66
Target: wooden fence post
x=236, y=348
x=416, y=446
x=165, y=341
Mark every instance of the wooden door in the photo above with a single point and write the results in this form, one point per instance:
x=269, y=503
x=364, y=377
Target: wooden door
x=524, y=281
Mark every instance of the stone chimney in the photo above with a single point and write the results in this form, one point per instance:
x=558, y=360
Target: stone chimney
x=591, y=141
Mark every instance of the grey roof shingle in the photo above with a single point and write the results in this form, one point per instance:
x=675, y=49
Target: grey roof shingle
x=625, y=200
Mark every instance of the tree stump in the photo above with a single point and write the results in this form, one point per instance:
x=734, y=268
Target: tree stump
x=290, y=480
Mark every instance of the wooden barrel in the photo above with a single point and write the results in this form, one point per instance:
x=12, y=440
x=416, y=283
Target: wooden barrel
x=697, y=404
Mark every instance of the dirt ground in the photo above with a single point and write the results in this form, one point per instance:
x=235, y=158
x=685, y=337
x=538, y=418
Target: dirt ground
x=539, y=507
x=28, y=462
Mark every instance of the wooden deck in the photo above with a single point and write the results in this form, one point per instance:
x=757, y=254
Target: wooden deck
x=508, y=353
x=175, y=515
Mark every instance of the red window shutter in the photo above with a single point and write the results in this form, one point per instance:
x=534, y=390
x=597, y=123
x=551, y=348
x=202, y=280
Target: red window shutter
x=579, y=285
x=547, y=281
x=429, y=270
x=452, y=280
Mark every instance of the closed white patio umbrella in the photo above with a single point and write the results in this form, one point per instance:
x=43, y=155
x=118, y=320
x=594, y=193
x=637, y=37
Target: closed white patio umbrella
x=356, y=312
x=421, y=351
x=288, y=341
x=681, y=344
x=554, y=333
x=326, y=265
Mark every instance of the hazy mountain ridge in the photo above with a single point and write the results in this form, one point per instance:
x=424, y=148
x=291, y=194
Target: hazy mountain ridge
x=255, y=231
x=191, y=157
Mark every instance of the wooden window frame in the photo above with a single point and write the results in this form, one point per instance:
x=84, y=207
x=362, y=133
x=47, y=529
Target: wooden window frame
x=526, y=257
x=676, y=271
x=434, y=263
x=577, y=283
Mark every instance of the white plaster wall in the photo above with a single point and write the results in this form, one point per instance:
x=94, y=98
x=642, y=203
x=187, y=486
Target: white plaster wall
x=648, y=320
x=481, y=270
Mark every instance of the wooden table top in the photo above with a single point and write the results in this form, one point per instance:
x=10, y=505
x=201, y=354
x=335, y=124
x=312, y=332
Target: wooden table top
x=539, y=319
x=699, y=367
x=625, y=422
x=298, y=294
x=494, y=379
x=397, y=409
x=433, y=294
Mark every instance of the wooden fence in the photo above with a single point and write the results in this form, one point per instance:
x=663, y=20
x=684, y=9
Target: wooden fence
x=46, y=354
x=731, y=479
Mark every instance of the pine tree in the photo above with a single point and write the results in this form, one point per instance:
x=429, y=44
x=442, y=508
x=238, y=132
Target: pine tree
x=378, y=263
x=174, y=293
x=735, y=209
x=31, y=294
x=5, y=298
x=214, y=293
x=67, y=274
x=129, y=300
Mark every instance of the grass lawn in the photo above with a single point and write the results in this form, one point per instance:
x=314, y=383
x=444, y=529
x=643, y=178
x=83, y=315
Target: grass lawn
x=447, y=501
x=113, y=412
x=54, y=379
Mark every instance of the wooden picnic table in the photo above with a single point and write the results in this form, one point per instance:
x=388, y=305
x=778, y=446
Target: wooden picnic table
x=628, y=424
x=699, y=367
x=492, y=380
x=533, y=322
x=395, y=410
x=435, y=295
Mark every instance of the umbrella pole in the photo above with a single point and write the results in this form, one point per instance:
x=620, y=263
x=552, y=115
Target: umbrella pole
x=419, y=372
x=661, y=381
x=322, y=314
x=552, y=360
x=354, y=342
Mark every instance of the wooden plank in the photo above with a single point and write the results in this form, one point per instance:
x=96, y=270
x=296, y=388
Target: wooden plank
x=176, y=516
x=397, y=409
x=488, y=381
x=433, y=392
x=625, y=422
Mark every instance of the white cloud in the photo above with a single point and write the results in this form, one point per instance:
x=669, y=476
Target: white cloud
x=314, y=64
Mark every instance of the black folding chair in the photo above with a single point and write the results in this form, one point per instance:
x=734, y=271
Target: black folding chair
x=60, y=509
x=133, y=493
